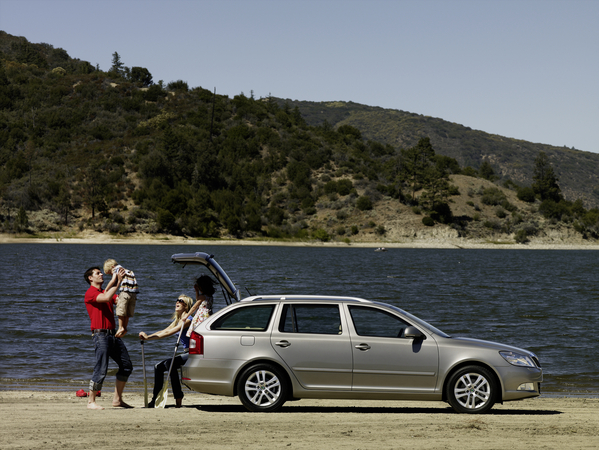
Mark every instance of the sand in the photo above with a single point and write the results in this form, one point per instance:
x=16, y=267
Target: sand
x=89, y=237
x=60, y=420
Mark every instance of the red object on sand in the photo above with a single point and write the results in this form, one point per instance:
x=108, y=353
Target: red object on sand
x=81, y=393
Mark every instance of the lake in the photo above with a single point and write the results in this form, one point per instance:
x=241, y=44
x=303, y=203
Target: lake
x=546, y=301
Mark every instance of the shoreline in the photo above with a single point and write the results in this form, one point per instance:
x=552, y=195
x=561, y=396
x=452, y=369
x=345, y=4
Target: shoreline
x=456, y=243
x=61, y=420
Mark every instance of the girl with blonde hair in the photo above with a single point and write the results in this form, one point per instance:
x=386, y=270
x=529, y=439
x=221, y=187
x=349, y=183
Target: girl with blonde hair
x=180, y=319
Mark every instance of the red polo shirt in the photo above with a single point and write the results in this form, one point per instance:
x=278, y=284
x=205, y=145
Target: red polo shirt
x=101, y=314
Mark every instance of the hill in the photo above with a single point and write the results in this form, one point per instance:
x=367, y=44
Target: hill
x=114, y=152
x=510, y=158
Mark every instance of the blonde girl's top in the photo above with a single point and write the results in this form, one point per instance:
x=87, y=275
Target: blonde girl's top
x=204, y=311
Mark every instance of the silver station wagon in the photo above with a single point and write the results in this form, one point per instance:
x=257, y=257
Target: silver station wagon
x=270, y=349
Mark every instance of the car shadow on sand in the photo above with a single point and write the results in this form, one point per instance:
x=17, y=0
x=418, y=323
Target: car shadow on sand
x=372, y=410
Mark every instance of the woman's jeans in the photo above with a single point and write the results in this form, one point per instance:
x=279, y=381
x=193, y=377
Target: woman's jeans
x=108, y=346
x=161, y=368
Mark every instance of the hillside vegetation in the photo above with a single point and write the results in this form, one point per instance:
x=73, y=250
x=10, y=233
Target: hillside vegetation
x=83, y=149
x=511, y=159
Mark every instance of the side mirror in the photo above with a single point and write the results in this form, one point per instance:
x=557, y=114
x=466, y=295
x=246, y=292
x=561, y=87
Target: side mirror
x=413, y=333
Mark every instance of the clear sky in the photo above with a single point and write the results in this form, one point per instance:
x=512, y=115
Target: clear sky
x=527, y=69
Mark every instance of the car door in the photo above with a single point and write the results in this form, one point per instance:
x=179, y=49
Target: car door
x=313, y=341
x=384, y=360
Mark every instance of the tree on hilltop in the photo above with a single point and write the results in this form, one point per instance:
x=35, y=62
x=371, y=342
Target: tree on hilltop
x=142, y=76
x=118, y=67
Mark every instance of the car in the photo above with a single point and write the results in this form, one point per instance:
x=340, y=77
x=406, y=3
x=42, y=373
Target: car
x=270, y=349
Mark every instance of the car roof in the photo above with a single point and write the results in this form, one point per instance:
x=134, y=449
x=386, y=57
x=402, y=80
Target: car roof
x=305, y=298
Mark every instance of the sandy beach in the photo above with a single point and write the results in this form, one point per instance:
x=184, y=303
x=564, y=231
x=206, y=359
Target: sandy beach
x=89, y=237
x=53, y=420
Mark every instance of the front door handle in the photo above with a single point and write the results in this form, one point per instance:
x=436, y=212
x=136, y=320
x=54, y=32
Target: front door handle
x=283, y=344
x=363, y=347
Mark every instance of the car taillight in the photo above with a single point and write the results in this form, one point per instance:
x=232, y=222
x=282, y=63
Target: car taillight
x=196, y=344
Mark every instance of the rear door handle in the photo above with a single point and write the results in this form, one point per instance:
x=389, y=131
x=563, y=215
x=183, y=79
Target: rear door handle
x=283, y=344
x=363, y=347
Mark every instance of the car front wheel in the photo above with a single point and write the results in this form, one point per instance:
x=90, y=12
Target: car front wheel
x=471, y=390
x=262, y=388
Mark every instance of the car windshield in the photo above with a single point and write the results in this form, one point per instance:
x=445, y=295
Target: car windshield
x=420, y=322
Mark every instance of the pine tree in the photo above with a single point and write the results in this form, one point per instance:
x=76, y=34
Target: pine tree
x=545, y=182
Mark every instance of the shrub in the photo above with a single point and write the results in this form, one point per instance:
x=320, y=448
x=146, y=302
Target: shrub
x=508, y=206
x=321, y=235
x=307, y=202
x=492, y=224
x=380, y=230
x=344, y=186
x=524, y=232
x=275, y=232
x=354, y=230
x=469, y=171
x=453, y=190
x=330, y=187
x=493, y=196
x=342, y=215
x=340, y=231
x=59, y=71
x=553, y=210
x=526, y=194
x=117, y=217
x=500, y=212
x=166, y=220
x=428, y=221
x=178, y=85
x=441, y=213
x=364, y=203
x=521, y=237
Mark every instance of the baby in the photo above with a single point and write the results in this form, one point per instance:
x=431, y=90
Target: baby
x=127, y=296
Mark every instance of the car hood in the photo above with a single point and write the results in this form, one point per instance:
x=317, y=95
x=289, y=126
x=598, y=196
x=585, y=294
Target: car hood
x=210, y=263
x=490, y=344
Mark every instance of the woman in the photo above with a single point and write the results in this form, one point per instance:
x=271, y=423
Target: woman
x=204, y=288
x=180, y=319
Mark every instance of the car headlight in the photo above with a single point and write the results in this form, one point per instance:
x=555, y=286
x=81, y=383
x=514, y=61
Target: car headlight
x=518, y=359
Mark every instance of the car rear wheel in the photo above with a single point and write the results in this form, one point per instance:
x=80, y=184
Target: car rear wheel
x=471, y=390
x=262, y=388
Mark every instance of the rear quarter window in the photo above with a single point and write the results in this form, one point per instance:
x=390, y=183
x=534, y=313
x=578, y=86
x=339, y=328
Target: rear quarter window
x=248, y=318
x=375, y=322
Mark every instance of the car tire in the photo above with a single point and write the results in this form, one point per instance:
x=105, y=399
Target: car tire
x=262, y=388
x=471, y=390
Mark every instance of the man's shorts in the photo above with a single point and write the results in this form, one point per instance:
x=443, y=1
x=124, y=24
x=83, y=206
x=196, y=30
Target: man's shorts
x=126, y=304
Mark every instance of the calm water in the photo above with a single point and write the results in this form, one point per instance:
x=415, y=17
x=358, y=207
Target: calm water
x=545, y=301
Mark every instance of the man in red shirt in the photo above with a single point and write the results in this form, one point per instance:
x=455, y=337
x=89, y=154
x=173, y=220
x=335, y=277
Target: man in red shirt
x=99, y=306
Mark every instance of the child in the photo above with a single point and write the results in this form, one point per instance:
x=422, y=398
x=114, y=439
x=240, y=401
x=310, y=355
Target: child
x=204, y=288
x=127, y=296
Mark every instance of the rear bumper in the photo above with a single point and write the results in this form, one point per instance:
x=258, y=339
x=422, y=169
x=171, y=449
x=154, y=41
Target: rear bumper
x=211, y=376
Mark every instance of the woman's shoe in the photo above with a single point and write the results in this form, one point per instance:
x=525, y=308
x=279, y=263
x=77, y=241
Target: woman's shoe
x=178, y=402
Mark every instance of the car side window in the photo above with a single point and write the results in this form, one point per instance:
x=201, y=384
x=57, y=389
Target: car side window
x=252, y=318
x=312, y=319
x=375, y=322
